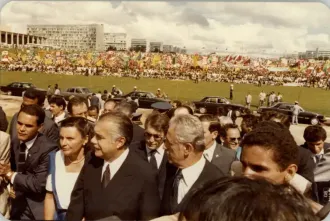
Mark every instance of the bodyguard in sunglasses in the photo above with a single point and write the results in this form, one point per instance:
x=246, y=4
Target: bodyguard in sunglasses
x=230, y=136
x=152, y=148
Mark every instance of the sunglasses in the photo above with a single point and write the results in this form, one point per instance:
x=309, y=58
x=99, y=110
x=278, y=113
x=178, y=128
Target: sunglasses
x=233, y=139
x=155, y=136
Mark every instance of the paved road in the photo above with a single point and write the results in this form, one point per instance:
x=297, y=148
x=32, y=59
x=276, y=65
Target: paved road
x=12, y=104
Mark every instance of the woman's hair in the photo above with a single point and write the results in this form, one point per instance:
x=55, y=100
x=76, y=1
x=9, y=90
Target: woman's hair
x=244, y=199
x=83, y=126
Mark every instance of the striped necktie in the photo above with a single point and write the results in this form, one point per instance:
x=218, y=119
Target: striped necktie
x=21, y=158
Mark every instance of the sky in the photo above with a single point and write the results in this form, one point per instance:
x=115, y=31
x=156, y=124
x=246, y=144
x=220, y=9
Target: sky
x=199, y=26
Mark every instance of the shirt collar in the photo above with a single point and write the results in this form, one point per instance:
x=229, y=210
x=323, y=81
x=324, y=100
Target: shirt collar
x=321, y=153
x=30, y=143
x=60, y=117
x=191, y=174
x=159, y=150
x=210, y=151
x=116, y=164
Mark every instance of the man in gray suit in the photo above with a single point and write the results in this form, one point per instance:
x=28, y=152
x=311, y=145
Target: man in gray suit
x=214, y=152
x=49, y=128
x=28, y=167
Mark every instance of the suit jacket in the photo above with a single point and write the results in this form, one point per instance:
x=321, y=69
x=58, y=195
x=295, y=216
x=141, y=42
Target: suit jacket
x=306, y=164
x=132, y=193
x=4, y=158
x=138, y=136
x=209, y=173
x=142, y=152
x=29, y=186
x=50, y=129
x=3, y=120
x=223, y=158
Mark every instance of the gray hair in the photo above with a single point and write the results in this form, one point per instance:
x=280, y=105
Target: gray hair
x=189, y=129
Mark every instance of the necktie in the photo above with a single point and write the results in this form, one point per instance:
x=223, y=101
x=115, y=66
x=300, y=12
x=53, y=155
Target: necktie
x=106, y=177
x=152, y=160
x=175, y=189
x=21, y=158
x=318, y=158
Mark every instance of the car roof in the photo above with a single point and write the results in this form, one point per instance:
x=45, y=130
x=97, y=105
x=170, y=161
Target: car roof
x=21, y=82
x=214, y=97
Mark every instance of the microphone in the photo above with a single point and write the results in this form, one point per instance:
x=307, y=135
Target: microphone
x=236, y=168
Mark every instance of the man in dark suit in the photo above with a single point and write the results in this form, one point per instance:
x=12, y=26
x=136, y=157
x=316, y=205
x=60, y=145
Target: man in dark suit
x=114, y=181
x=3, y=120
x=215, y=153
x=184, y=145
x=49, y=128
x=129, y=108
x=152, y=149
x=29, y=160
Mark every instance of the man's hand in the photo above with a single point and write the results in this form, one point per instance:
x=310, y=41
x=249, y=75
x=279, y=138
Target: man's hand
x=4, y=169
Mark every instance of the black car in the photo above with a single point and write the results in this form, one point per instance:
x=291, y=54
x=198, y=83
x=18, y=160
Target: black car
x=218, y=106
x=145, y=99
x=17, y=88
x=304, y=117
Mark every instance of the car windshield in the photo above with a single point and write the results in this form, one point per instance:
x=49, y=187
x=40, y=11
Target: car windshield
x=151, y=95
x=85, y=90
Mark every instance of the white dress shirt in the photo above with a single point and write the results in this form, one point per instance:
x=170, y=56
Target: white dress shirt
x=190, y=175
x=208, y=153
x=115, y=165
x=59, y=118
x=28, y=144
x=158, y=155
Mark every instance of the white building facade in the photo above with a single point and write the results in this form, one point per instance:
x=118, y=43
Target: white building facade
x=139, y=43
x=78, y=37
x=155, y=46
x=116, y=40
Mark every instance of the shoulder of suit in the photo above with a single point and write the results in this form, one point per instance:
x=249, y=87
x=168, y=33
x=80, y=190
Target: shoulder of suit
x=4, y=135
x=141, y=166
x=46, y=142
x=212, y=171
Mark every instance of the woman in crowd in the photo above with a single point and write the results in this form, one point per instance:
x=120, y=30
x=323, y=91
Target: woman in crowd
x=65, y=166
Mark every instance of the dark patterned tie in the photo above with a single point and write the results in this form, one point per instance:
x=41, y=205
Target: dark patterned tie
x=174, y=198
x=153, y=161
x=21, y=158
x=106, y=177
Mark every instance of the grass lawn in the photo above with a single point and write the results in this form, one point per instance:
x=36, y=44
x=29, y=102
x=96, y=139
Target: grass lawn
x=311, y=99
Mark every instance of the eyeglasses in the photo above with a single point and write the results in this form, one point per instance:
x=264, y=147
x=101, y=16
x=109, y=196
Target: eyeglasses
x=233, y=139
x=155, y=136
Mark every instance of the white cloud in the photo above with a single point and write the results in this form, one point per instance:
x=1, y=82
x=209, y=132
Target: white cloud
x=237, y=26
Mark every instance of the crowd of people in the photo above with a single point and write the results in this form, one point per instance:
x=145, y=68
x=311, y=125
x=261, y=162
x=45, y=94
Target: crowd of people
x=68, y=160
x=235, y=69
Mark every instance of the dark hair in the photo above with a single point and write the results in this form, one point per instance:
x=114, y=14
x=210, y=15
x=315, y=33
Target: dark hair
x=127, y=107
x=58, y=100
x=273, y=115
x=315, y=133
x=189, y=109
x=178, y=103
x=81, y=123
x=226, y=127
x=32, y=93
x=123, y=123
x=76, y=101
x=34, y=110
x=213, y=120
x=241, y=198
x=157, y=121
x=248, y=123
x=274, y=136
x=94, y=107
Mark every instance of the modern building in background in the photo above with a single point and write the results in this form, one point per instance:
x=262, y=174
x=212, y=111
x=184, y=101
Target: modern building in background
x=115, y=40
x=79, y=37
x=139, y=44
x=156, y=46
x=317, y=54
x=167, y=48
x=9, y=38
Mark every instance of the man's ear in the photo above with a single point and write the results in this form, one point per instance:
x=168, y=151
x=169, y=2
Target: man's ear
x=188, y=148
x=41, y=126
x=291, y=170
